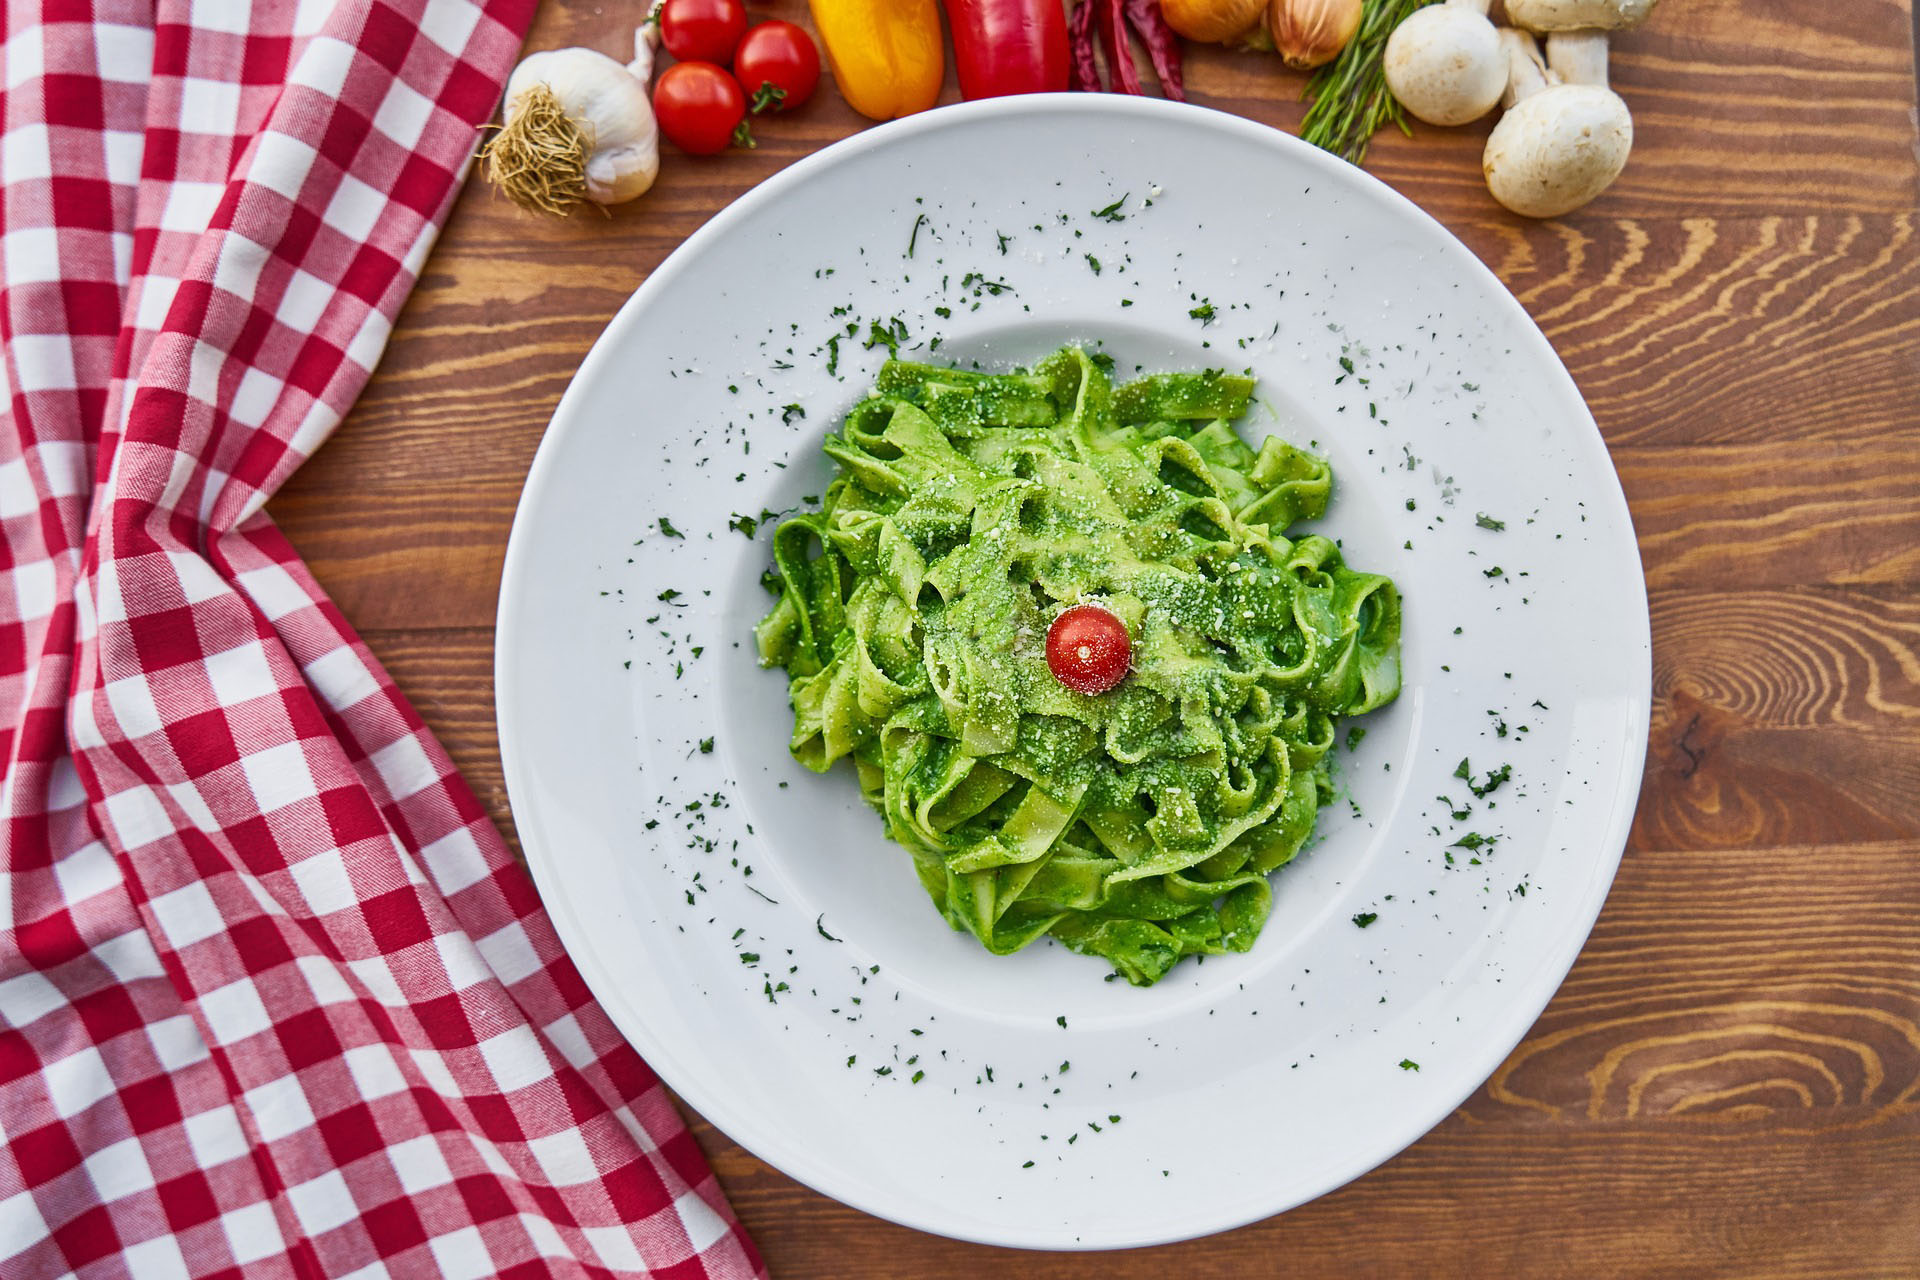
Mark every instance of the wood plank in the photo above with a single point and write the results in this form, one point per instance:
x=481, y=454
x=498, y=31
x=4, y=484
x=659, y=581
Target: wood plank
x=429, y=555
x=1694, y=332
x=1726, y=986
x=1704, y=331
x=1782, y=718
x=1765, y=516
x=1616, y=1200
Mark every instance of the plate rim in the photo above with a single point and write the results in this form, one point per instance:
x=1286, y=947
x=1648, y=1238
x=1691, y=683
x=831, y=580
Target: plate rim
x=739, y=1125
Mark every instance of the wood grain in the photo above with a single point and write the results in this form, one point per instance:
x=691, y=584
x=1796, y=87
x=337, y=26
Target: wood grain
x=1728, y=1083
x=1679, y=332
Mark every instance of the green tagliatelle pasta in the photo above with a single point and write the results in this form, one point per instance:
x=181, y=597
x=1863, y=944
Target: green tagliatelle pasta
x=1138, y=825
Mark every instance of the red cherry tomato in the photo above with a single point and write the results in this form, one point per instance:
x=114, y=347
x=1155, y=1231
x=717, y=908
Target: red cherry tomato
x=1088, y=649
x=777, y=66
x=698, y=106
x=702, y=30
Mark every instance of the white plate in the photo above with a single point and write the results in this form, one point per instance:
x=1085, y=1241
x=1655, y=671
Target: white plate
x=645, y=752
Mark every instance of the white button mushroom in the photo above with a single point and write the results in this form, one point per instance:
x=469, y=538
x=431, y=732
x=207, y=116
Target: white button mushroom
x=1445, y=63
x=1565, y=136
x=1578, y=15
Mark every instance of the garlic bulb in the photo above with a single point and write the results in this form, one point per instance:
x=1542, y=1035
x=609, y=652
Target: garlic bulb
x=578, y=126
x=1212, y=21
x=1309, y=33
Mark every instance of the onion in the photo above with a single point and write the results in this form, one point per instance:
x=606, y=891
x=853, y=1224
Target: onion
x=1212, y=21
x=1309, y=33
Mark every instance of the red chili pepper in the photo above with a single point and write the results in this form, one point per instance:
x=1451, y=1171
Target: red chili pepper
x=1114, y=19
x=1163, y=46
x=1086, y=69
x=1008, y=46
x=1113, y=38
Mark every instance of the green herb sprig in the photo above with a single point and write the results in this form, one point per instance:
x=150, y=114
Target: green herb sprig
x=1350, y=98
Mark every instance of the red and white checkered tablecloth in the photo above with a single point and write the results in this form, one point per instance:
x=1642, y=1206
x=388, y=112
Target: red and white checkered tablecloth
x=274, y=999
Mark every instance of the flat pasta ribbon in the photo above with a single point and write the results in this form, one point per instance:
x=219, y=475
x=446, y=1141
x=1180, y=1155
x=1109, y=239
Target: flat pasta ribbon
x=1137, y=825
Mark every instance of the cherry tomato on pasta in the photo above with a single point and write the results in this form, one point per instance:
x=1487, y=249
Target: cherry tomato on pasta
x=1088, y=649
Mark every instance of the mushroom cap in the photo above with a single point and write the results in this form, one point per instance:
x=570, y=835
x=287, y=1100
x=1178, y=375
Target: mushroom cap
x=1445, y=64
x=1578, y=15
x=1558, y=149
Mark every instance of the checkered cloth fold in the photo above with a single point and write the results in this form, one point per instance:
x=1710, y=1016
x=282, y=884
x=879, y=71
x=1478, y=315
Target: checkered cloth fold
x=274, y=999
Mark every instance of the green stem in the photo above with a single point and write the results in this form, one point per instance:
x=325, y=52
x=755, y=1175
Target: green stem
x=1350, y=98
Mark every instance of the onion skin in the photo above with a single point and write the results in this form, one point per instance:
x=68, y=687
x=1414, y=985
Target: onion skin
x=1311, y=33
x=1212, y=21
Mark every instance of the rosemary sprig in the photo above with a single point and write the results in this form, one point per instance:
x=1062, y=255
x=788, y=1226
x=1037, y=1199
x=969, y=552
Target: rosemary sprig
x=1350, y=98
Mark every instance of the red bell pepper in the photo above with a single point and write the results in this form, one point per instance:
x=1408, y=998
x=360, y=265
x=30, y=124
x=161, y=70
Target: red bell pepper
x=1009, y=46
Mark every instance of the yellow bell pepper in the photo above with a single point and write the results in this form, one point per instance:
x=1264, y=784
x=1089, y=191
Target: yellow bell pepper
x=887, y=55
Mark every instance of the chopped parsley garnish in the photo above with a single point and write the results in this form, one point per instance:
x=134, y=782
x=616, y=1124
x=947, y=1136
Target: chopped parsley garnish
x=1493, y=780
x=1203, y=313
x=915, y=237
x=1112, y=212
x=789, y=412
x=666, y=527
x=1365, y=918
x=1486, y=521
x=820, y=927
x=1408, y=1064
x=706, y=746
x=979, y=284
x=891, y=335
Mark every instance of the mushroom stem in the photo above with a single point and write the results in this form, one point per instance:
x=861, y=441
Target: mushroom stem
x=1578, y=57
x=1578, y=15
x=1526, y=70
x=1565, y=136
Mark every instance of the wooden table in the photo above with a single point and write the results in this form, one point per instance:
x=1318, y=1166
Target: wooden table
x=1729, y=1082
